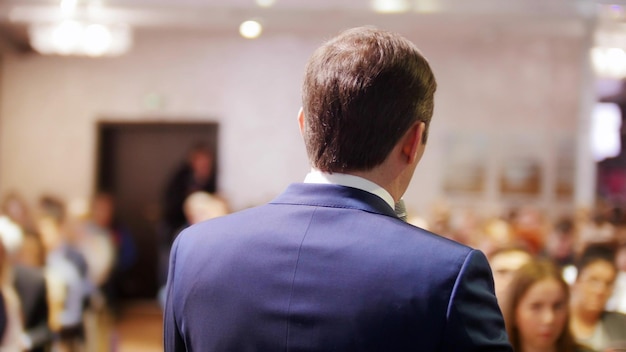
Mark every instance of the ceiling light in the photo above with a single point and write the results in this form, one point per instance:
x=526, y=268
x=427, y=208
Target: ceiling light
x=250, y=29
x=609, y=62
x=97, y=39
x=78, y=38
x=390, y=6
x=265, y=3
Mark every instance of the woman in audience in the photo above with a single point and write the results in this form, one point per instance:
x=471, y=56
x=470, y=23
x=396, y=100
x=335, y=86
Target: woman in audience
x=536, y=310
x=591, y=323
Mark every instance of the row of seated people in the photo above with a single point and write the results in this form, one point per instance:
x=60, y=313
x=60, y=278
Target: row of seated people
x=56, y=270
x=583, y=257
x=546, y=309
x=77, y=261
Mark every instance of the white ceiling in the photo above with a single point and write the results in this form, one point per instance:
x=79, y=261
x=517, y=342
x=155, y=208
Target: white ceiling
x=284, y=13
x=305, y=15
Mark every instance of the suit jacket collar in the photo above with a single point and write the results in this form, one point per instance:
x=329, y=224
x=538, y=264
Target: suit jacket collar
x=333, y=196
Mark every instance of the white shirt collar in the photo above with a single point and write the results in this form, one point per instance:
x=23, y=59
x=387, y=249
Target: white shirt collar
x=316, y=176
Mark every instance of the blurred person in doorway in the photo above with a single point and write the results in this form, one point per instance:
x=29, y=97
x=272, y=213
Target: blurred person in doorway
x=196, y=173
x=198, y=207
x=328, y=264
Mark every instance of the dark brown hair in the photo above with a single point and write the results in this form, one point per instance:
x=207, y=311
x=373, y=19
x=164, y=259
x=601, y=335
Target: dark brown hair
x=362, y=91
x=523, y=279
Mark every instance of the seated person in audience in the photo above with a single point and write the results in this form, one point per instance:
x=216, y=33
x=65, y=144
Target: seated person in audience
x=535, y=310
x=95, y=242
x=30, y=286
x=16, y=208
x=529, y=228
x=12, y=337
x=495, y=233
x=560, y=244
x=591, y=324
x=66, y=275
x=504, y=262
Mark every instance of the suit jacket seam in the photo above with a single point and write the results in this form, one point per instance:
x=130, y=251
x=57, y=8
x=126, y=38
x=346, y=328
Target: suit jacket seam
x=293, y=280
x=456, y=287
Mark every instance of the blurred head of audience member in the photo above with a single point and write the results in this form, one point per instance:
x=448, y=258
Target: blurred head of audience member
x=200, y=160
x=102, y=210
x=504, y=262
x=200, y=206
x=591, y=323
x=496, y=233
x=536, y=309
x=50, y=222
x=561, y=243
x=15, y=207
x=529, y=228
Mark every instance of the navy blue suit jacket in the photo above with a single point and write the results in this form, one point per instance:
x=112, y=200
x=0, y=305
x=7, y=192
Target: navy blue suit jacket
x=327, y=268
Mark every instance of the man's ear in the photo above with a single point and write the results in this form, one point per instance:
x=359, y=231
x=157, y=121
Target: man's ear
x=301, y=121
x=412, y=141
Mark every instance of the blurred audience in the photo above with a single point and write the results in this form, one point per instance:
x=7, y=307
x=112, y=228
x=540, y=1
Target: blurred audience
x=53, y=263
x=535, y=310
x=25, y=253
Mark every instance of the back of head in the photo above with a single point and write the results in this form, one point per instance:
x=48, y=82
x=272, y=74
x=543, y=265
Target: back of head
x=200, y=206
x=595, y=252
x=362, y=91
x=53, y=208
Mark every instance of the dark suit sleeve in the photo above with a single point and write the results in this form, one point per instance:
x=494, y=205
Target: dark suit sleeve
x=173, y=341
x=474, y=320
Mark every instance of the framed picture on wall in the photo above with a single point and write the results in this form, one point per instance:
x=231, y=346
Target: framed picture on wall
x=520, y=168
x=465, y=163
x=520, y=176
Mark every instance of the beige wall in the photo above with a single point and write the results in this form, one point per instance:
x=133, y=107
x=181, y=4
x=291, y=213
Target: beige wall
x=502, y=82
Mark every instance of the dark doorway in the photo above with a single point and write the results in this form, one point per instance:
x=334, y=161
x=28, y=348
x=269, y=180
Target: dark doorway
x=135, y=161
